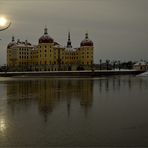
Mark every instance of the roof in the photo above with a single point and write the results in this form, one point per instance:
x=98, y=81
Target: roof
x=140, y=63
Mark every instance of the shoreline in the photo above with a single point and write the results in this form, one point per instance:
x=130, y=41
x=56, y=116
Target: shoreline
x=96, y=73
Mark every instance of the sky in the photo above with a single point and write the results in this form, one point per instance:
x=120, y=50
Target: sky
x=118, y=28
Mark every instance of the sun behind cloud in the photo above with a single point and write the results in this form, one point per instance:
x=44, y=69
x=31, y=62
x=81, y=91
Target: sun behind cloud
x=3, y=21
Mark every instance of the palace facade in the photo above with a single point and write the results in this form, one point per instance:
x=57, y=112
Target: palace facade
x=49, y=55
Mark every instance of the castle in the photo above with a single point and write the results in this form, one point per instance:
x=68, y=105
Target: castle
x=49, y=55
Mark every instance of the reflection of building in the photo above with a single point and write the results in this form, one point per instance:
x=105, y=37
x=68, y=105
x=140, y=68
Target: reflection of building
x=50, y=93
x=49, y=55
x=141, y=66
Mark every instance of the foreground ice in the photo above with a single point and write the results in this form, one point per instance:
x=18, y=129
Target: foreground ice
x=145, y=74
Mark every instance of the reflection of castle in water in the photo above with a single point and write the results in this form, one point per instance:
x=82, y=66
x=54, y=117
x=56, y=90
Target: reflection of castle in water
x=116, y=83
x=50, y=93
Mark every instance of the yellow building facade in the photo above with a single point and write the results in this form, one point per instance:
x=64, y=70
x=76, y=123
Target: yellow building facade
x=49, y=55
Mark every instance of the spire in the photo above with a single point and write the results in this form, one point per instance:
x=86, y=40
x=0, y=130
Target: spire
x=13, y=39
x=45, y=30
x=69, y=41
x=68, y=36
x=26, y=42
x=86, y=35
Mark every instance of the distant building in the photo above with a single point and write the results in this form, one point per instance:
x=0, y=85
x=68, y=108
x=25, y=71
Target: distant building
x=49, y=55
x=142, y=65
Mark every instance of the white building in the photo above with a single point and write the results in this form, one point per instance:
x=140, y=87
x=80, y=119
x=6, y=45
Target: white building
x=141, y=65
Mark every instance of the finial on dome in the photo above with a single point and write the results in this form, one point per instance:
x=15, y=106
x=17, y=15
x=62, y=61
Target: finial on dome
x=13, y=39
x=69, y=36
x=86, y=35
x=45, y=30
x=26, y=42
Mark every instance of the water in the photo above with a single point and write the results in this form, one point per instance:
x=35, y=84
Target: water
x=106, y=111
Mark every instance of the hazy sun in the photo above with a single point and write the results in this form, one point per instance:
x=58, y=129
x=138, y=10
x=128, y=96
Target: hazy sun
x=3, y=21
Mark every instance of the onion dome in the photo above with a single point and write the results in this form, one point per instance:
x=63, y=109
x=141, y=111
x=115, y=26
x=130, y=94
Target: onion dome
x=12, y=43
x=45, y=38
x=86, y=41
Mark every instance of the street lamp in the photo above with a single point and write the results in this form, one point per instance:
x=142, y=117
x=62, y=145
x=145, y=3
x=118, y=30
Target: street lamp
x=100, y=64
x=107, y=64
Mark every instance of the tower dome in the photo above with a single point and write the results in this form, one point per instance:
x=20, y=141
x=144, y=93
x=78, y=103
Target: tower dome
x=45, y=38
x=86, y=41
x=12, y=43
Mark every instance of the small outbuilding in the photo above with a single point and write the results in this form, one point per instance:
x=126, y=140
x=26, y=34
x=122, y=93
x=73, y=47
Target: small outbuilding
x=142, y=65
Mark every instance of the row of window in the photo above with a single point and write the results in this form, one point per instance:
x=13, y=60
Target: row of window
x=52, y=63
x=87, y=56
x=26, y=57
x=54, y=53
x=24, y=49
x=44, y=46
x=23, y=53
x=23, y=57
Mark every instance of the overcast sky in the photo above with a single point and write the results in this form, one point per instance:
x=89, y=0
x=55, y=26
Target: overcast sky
x=118, y=28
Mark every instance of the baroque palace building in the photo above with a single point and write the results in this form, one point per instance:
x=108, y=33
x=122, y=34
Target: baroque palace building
x=49, y=55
